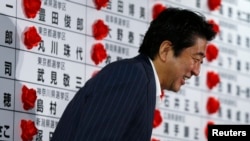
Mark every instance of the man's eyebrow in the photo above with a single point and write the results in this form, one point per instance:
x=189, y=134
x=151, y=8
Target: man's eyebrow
x=200, y=54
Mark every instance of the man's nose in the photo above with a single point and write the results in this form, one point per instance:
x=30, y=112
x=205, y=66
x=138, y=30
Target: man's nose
x=196, y=69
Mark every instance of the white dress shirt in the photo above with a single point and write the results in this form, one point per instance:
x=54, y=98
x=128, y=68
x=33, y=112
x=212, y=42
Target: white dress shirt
x=158, y=86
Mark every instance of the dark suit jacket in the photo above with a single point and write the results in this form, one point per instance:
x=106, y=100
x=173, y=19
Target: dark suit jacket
x=115, y=105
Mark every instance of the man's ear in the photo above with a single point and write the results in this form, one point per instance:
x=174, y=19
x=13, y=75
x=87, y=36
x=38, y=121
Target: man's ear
x=165, y=49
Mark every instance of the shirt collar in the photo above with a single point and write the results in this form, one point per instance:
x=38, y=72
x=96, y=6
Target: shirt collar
x=157, y=82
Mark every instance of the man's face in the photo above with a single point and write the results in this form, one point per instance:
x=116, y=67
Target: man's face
x=178, y=69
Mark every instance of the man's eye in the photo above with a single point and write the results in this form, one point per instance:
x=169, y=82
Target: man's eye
x=198, y=60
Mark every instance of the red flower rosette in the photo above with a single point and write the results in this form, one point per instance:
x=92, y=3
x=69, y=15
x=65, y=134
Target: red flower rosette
x=212, y=79
x=101, y=3
x=153, y=139
x=213, y=105
x=94, y=73
x=206, y=128
x=216, y=27
x=157, y=9
x=31, y=38
x=211, y=52
x=28, y=98
x=157, y=118
x=214, y=4
x=100, y=30
x=31, y=7
x=98, y=53
x=162, y=94
x=28, y=130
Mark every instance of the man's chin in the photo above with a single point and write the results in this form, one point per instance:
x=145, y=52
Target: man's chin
x=175, y=89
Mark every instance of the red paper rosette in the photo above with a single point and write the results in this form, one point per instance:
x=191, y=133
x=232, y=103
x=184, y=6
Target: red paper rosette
x=101, y=3
x=31, y=7
x=157, y=9
x=213, y=105
x=31, y=38
x=98, y=53
x=157, y=118
x=95, y=73
x=162, y=94
x=153, y=139
x=212, y=79
x=214, y=4
x=28, y=98
x=28, y=130
x=212, y=52
x=100, y=30
x=206, y=128
x=216, y=27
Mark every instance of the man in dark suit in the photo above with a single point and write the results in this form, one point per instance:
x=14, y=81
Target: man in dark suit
x=118, y=103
